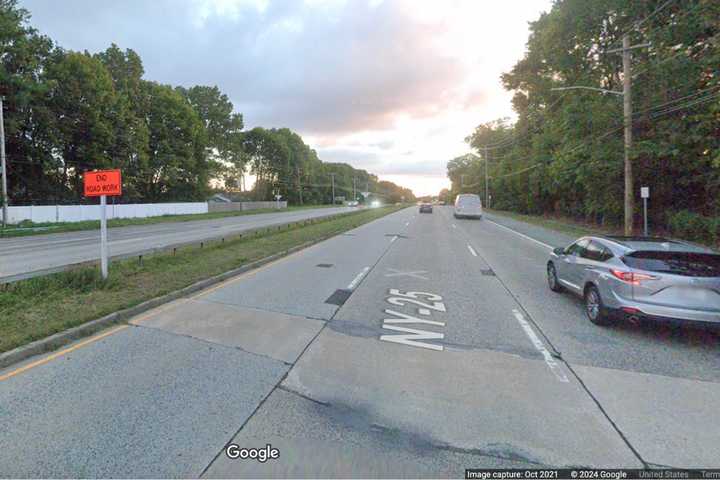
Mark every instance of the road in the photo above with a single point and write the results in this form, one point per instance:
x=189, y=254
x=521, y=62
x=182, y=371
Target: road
x=22, y=255
x=412, y=346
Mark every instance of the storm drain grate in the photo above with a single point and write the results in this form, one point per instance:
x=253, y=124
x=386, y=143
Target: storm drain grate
x=324, y=265
x=339, y=297
x=488, y=273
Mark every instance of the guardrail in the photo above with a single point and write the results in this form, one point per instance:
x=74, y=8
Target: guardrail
x=172, y=247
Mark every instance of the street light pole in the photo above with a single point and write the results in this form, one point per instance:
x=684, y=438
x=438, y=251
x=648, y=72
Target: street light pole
x=3, y=167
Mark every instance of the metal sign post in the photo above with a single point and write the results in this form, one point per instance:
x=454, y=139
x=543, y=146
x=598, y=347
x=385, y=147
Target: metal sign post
x=277, y=201
x=645, y=194
x=103, y=237
x=101, y=184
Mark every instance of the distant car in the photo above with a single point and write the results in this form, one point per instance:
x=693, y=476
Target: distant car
x=639, y=278
x=468, y=205
x=426, y=208
x=353, y=204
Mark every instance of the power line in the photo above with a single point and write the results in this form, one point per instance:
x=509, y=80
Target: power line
x=636, y=25
x=611, y=131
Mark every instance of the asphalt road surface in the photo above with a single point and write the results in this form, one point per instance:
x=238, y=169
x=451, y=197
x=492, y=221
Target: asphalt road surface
x=21, y=255
x=414, y=346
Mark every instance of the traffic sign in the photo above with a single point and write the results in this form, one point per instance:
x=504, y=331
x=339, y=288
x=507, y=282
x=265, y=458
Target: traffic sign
x=102, y=182
x=645, y=192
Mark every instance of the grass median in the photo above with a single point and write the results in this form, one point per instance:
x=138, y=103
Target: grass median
x=39, y=307
x=30, y=228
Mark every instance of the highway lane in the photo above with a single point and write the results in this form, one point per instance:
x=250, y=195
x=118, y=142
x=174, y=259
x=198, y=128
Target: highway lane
x=413, y=346
x=32, y=253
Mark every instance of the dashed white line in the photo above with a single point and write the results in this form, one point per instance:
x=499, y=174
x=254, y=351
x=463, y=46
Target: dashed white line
x=549, y=360
x=357, y=279
x=454, y=226
x=521, y=235
x=407, y=223
x=395, y=237
x=472, y=250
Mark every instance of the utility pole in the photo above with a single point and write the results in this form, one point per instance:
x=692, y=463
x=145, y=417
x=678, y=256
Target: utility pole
x=462, y=182
x=2, y=161
x=629, y=203
x=487, y=191
x=297, y=169
x=332, y=176
x=354, y=194
x=627, y=110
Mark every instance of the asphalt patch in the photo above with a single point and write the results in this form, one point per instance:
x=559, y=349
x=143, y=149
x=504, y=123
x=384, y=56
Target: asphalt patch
x=339, y=297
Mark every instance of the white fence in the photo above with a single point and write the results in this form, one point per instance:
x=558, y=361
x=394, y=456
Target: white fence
x=79, y=213
x=243, y=206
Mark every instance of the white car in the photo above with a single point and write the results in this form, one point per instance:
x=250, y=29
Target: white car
x=468, y=205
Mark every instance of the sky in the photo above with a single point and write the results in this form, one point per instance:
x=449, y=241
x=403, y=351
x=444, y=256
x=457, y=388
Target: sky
x=390, y=86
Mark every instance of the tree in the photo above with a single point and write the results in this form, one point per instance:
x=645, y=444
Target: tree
x=177, y=166
x=129, y=150
x=81, y=101
x=32, y=173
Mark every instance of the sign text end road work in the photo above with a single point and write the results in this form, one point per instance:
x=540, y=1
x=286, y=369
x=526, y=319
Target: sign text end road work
x=101, y=183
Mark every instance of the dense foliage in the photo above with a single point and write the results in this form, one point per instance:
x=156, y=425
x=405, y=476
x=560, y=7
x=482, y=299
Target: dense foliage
x=67, y=112
x=564, y=153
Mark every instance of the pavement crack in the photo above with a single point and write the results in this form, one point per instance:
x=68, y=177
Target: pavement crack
x=554, y=352
x=301, y=395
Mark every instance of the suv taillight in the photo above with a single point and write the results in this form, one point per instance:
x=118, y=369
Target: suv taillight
x=631, y=277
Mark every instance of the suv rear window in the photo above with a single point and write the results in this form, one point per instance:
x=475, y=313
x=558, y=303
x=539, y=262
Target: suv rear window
x=469, y=200
x=676, y=263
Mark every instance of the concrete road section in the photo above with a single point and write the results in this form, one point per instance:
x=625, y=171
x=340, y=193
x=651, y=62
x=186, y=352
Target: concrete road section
x=28, y=254
x=417, y=345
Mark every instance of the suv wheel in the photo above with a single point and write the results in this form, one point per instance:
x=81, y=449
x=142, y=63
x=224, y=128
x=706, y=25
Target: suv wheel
x=552, y=279
x=594, y=308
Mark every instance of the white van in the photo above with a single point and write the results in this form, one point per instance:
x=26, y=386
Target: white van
x=468, y=205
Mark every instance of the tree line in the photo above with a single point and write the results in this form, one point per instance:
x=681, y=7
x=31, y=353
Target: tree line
x=563, y=154
x=67, y=112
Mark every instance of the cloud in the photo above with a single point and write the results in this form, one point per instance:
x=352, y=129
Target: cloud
x=364, y=81
x=320, y=68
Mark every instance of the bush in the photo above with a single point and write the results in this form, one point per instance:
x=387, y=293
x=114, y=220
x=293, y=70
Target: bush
x=692, y=226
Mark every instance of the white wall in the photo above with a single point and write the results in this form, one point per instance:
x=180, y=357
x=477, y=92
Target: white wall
x=78, y=213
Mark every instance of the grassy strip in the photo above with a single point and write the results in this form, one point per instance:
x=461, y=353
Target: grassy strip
x=578, y=229
x=558, y=224
x=39, y=307
x=123, y=222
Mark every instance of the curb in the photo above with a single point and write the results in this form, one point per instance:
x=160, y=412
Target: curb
x=60, y=339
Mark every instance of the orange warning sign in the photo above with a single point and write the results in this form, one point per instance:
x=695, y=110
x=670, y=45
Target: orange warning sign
x=103, y=182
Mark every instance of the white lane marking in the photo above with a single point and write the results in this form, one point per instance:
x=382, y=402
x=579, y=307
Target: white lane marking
x=357, y=279
x=521, y=234
x=549, y=360
x=423, y=311
x=400, y=273
x=395, y=237
x=453, y=225
x=472, y=250
x=407, y=223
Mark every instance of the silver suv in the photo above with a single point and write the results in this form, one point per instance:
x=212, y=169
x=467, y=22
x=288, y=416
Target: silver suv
x=639, y=278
